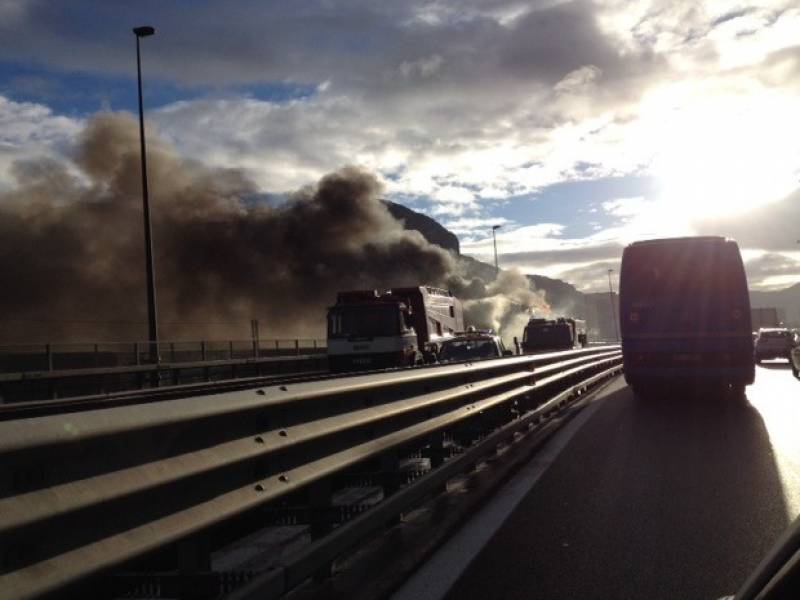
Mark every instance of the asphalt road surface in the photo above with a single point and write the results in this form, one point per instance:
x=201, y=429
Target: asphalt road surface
x=677, y=497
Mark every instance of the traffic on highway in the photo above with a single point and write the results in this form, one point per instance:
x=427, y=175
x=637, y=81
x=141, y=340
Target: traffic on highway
x=452, y=300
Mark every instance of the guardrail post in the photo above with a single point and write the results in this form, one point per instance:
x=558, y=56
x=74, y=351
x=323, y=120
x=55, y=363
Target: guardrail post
x=390, y=478
x=172, y=351
x=137, y=360
x=320, y=500
x=194, y=555
x=320, y=505
x=436, y=451
x=96, y=355
x=297, y=347
x=230, y=349
x=203, y=350
x=277, y=347
x=48, y=349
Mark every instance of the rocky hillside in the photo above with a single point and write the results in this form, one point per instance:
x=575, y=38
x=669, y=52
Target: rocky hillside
x=787, y=301
x=430, y=229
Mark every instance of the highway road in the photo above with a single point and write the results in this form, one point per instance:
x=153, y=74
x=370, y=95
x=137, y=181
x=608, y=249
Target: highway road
x=674, y=497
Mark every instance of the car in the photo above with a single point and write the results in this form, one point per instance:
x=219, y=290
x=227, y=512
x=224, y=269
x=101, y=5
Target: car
x=773, y=342
x=794, y=355
x=472, y=344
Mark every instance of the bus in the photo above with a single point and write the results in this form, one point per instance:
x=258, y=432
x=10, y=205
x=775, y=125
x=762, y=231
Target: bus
x=685, y=314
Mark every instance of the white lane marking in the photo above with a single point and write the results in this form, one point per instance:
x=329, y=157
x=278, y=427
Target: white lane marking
x=443, y=569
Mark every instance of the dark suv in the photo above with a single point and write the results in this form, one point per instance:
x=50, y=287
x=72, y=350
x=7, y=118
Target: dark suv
x=773, y=343
x=472, y=346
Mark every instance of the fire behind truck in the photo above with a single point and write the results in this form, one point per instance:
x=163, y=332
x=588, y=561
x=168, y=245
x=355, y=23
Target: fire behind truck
x=553, y=334
x=372, y=330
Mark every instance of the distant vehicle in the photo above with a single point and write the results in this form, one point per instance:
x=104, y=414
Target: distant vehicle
x=774, y=342
x=794, y=355
x=472, y=345
x=554, y=334
x=763, y=318
x=372, y=330
x=685, y=313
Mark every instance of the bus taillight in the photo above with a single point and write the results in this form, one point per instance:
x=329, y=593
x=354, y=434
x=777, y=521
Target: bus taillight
x=633, y=317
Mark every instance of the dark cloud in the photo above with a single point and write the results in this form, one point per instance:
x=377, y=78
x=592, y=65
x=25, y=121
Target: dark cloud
x=769, y=227
x=384, y=47
x=770, y=265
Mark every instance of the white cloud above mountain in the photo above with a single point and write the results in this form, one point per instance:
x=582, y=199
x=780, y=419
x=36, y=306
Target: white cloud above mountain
x=468, y=107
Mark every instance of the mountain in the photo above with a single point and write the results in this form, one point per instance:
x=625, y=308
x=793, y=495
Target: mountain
x=787, y=301
x=430, y=229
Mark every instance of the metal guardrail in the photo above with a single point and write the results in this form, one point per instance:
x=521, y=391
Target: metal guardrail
x=24, y=358
x=35, y=385
x=103, y=495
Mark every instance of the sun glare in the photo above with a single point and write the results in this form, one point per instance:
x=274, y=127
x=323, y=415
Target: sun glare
x=728, y=156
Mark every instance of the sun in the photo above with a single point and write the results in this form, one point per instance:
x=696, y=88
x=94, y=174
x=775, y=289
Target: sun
x=724, y=157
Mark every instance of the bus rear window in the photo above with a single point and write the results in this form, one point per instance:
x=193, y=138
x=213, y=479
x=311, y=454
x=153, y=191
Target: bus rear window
x=660, y=272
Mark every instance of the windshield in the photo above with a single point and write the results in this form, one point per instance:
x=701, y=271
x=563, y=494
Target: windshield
x=775, y=335
x=687, y=287
x=467, y=349
x=364, y=321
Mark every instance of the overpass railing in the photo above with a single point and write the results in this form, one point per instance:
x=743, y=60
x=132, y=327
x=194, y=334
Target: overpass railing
x=41, y=371
x=18, y=358
x=109, y=500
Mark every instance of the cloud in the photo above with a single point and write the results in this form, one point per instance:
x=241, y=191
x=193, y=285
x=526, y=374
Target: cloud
x=471, y=95
x=471, y=229
x=30, y=130
x=626, y=207
x=772, y=227
x=772, y=270
x=466, y=106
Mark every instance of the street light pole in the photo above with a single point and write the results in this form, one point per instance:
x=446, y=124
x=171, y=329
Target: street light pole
x=611, y=301
x=494, y=241
x=152, y=315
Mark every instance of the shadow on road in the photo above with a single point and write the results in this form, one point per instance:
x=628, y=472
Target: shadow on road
x=676, y=496
x=776, y=366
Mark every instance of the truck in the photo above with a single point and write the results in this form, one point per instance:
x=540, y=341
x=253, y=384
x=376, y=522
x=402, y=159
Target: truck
x=371, y=329
x=563, y=333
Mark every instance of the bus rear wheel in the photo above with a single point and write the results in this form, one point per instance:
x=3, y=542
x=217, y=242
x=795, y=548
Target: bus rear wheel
x=737, y=391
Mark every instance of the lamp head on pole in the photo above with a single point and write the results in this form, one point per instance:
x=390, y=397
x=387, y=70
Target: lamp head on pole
x=496, y=227
x=144, y=31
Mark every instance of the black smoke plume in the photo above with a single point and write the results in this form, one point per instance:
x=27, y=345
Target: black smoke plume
x=72, y=249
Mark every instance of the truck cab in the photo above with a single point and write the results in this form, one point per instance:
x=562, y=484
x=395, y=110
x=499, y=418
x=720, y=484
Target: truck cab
x=369, y=330
x=564, y=333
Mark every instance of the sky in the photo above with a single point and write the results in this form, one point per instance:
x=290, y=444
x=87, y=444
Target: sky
x=577, y=126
